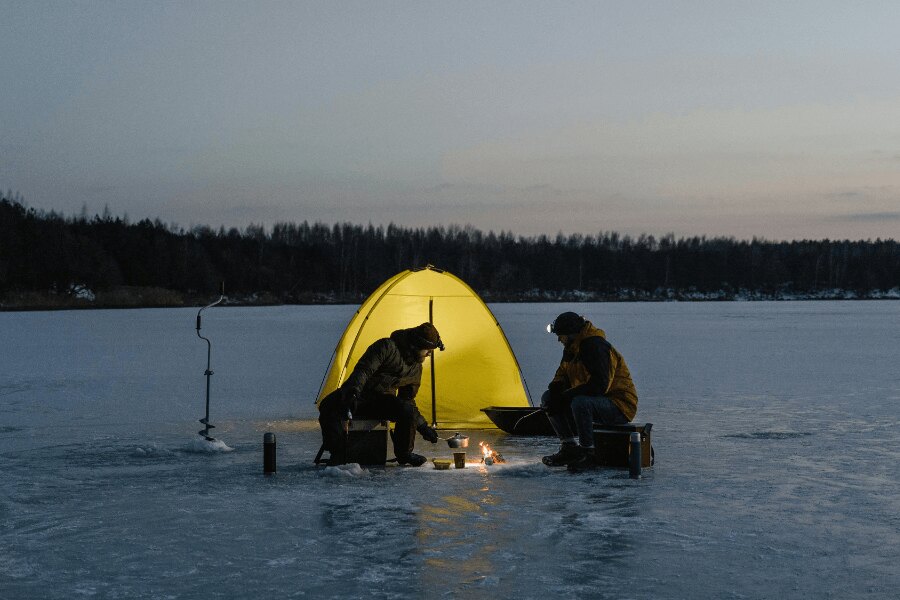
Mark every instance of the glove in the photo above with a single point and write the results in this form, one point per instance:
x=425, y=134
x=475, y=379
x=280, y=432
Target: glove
x=429, y=434
x=554, y=402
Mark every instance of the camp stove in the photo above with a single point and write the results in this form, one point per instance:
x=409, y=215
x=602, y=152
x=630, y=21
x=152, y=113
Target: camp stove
x=490, y=456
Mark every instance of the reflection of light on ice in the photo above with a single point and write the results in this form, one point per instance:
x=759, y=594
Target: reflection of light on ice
x=490, y=456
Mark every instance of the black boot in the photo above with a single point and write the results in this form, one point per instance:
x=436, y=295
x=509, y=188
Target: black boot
x=586, y=462
x=568, y=452
x=337, y=457
x=412, y=459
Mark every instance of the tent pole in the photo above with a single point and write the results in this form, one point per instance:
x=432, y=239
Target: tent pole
x=433, y=398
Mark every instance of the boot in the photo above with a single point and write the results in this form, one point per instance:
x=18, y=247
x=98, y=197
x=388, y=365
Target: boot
x=337, y=457
x=585, y=462
x=568, y=452
x=412, y=459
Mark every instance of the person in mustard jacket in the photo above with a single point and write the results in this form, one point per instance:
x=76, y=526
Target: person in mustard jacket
x=591, y=385
x=383, y=385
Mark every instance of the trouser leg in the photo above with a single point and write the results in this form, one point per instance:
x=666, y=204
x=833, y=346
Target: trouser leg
x=405, y=430
x=331, y=422
x=587, y=410
x=560, y=415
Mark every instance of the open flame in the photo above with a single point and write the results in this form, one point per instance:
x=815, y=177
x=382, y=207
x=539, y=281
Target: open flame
x=490, y=456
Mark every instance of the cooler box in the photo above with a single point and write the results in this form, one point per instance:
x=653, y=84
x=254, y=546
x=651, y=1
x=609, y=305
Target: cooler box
x=367, y=442
x=611, y=443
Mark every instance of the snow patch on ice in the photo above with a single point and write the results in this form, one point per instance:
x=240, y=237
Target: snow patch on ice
x=151, y=450
x=206, y=447
x=349, y=470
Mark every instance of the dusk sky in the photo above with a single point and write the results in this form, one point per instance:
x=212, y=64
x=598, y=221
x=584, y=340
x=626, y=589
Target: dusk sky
x=772, y=119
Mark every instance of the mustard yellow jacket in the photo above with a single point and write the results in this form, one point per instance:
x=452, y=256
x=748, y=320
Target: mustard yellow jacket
x=598, y=370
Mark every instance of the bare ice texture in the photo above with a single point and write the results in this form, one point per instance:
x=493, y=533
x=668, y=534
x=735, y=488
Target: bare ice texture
x=776, y=429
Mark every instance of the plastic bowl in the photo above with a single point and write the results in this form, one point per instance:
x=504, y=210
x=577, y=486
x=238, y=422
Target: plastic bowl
x=442, y=463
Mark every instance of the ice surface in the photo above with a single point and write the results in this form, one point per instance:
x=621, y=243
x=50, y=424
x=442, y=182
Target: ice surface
x=776, y=426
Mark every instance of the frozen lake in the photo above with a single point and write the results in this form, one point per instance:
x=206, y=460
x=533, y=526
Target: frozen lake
x=776, y=426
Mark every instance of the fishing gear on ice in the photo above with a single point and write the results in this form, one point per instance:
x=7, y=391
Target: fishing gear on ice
x=208, y=373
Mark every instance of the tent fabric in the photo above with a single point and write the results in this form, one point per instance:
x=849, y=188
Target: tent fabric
x=478, y=368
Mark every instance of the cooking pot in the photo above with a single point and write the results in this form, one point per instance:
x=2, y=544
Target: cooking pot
x=458, y=441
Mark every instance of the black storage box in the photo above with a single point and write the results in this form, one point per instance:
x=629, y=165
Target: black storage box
x=611, y=443
x=367, y=446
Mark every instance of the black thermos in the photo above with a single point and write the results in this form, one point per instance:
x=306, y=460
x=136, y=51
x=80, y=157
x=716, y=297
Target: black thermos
x=269, y=453
x=634, y=459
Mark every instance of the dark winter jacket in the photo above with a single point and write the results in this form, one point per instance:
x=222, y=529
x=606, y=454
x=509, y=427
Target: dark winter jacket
x=592, y=367
x=388, y=366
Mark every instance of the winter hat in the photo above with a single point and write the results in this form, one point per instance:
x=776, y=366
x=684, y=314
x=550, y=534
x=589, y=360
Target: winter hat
x=568, y=323
x=426, y=337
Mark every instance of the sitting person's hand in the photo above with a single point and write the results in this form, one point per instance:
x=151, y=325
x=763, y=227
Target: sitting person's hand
x=428, y=433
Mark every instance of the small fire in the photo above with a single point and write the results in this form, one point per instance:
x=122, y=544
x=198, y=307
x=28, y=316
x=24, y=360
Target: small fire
x=490, y=456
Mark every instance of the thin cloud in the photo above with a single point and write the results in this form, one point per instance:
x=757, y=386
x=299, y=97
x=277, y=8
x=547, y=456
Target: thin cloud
x=869, y=217
x=847, y=195
x=875, y=197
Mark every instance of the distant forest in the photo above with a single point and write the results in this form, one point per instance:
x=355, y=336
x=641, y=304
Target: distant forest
x=50, y=260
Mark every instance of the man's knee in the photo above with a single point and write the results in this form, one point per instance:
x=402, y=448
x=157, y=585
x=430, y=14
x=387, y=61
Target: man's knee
x=545, y=399
x=582, y=405
x=329, y=415
x=553, y=404
x=330, y=404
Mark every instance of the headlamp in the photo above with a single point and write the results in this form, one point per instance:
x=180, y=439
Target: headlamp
x=424, y=344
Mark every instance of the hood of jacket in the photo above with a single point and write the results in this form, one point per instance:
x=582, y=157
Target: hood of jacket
x=407, y=351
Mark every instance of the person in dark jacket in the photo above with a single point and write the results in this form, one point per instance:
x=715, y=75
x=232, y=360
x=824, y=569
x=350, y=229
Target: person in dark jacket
x=591, y=385
x=383, y=385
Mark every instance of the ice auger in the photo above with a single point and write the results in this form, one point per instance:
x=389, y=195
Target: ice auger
x=208, y=373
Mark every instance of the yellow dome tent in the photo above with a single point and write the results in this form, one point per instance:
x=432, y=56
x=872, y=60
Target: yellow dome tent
x=478, y=368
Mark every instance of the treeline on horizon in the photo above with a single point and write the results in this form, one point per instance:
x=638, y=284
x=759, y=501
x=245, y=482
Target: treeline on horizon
x=48, y=253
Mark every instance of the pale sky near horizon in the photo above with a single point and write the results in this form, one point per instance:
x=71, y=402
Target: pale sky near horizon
x=778, y=120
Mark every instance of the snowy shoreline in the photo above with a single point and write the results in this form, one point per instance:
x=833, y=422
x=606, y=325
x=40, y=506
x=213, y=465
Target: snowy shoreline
x=82, y=298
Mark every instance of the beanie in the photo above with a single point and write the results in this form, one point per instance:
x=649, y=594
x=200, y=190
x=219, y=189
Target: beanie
x=426, y=337
x=568, y=323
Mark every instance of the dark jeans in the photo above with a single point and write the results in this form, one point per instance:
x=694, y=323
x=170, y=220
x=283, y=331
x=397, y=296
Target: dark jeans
x=578, y=415
x=371, y=406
